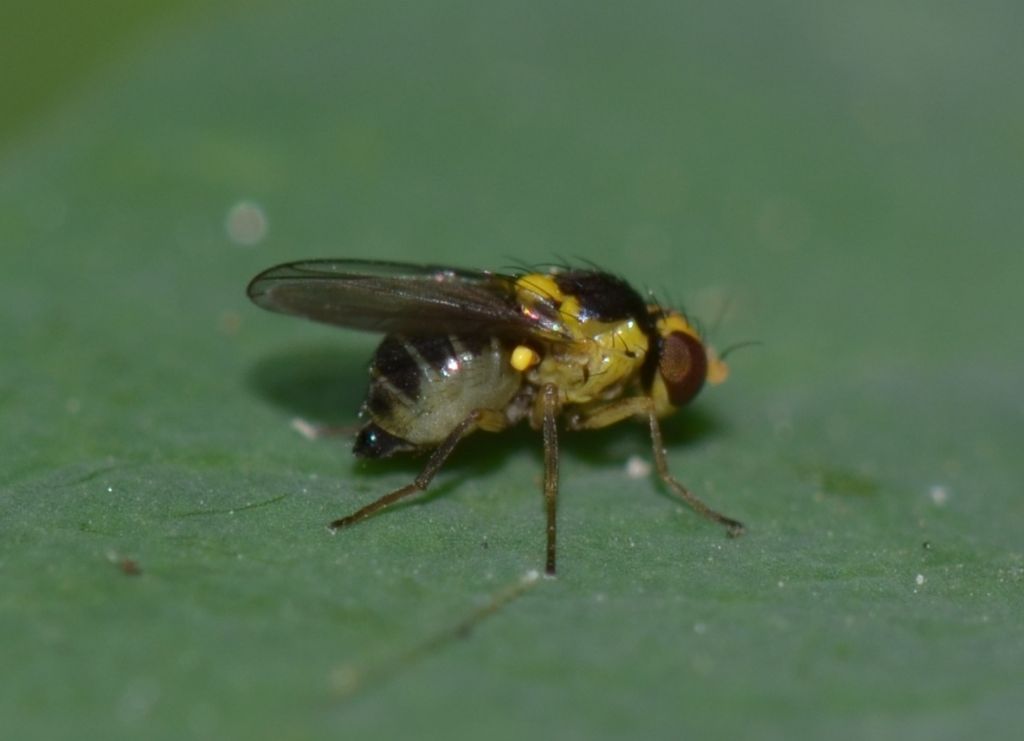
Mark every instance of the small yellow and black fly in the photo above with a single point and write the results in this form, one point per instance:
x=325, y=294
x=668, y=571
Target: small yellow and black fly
x=474, y=350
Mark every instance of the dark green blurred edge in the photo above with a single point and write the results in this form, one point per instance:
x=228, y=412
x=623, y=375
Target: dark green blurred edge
x=51, y=48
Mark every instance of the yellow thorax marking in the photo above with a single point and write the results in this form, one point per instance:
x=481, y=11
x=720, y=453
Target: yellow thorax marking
x=538, y=284
x=599, y=356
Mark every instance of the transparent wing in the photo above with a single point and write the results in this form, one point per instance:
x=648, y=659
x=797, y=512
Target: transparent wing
x=391, y=297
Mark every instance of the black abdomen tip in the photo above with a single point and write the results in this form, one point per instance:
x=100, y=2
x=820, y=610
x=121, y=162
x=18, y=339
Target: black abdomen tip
x=376, y=442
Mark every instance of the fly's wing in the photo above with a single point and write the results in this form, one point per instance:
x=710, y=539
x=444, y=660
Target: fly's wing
x=392, y=297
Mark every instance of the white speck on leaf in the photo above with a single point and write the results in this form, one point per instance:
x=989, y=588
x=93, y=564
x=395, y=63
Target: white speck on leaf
x=246, y=223
x=939, y=494
x=637, y=467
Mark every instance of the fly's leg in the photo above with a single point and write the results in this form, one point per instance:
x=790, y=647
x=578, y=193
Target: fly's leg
x=550, y=428
x=641, y=406
x=481, y=418
x=733, y=527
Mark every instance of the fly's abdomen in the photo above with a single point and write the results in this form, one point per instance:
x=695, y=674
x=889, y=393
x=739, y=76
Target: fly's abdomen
x=422, y=387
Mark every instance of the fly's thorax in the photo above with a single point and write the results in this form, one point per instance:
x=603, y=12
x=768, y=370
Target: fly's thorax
x=422, y=387
x=599, y=364
x=605, y=329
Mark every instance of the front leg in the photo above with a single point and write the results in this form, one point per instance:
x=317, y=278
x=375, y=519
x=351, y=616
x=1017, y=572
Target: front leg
x=642, y=406
x=550, y=428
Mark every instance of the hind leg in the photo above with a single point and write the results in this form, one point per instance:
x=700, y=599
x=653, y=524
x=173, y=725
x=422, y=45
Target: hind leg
x=481, y=418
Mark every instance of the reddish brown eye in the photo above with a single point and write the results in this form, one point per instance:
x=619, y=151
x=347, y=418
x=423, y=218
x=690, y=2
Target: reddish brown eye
x=683, y=365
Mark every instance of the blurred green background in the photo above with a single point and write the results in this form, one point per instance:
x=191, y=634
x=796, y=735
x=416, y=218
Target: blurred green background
x=841, y=183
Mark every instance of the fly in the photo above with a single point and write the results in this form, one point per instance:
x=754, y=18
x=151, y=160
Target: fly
x=473, y=350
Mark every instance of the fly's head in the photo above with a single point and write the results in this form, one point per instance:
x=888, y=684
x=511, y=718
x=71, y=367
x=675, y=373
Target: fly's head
x=684, y=363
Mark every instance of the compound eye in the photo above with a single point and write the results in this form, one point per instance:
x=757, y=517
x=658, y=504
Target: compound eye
x=683, y=366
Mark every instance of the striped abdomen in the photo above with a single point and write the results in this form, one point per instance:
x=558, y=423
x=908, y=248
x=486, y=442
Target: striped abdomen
x=422, y=387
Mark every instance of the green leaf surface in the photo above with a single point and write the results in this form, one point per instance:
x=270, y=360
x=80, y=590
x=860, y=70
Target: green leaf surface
x=842, y=184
